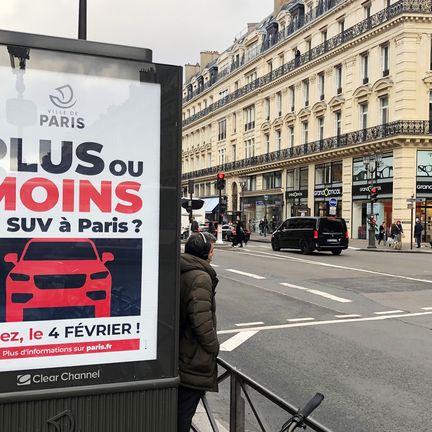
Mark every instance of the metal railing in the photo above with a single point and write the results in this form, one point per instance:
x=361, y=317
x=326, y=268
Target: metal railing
x=398, y=8
x=362, y=136
x=241, y=389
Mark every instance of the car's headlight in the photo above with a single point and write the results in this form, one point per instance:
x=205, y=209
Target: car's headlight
x=19, y=277
x=99, y=275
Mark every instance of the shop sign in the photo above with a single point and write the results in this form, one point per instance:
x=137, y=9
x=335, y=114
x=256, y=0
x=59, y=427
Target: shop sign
x=296, y=194
x=364, y=189
x=424, y=187
x=328, y=192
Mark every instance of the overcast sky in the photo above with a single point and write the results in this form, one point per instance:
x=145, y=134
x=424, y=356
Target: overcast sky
x=176, y=30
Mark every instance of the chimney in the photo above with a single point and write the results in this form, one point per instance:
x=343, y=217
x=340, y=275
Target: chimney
x=206, y=57
x=278, y=5
x=191, y=71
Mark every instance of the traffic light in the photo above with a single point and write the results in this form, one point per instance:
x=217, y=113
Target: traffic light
x=220, y=181
x=374, y=194
x=223, y=204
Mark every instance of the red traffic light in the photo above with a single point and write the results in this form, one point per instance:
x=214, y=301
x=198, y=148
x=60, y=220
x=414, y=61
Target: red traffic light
x=374, y=190
x=220, y=176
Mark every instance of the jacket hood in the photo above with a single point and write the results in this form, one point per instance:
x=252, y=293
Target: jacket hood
x=190, y=262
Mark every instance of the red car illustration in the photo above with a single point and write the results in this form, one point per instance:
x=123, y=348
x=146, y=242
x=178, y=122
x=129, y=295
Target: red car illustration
x=61, y=274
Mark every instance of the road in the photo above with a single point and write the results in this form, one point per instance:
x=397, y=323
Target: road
x=356, y=327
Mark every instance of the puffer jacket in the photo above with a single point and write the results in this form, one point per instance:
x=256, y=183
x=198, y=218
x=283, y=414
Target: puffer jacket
x=198, y=345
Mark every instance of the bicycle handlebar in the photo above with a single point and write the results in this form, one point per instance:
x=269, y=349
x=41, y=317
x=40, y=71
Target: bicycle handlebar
x=311, y=405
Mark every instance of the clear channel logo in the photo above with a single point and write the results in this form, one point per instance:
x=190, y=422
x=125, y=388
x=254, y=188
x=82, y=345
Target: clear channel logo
x=27, y=379
x=64, y=97
x=23, y=380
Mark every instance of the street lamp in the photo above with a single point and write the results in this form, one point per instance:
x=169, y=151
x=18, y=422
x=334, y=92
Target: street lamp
x=243, y=184
x=372, y=164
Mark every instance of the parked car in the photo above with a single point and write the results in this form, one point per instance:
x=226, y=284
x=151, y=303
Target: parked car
x=311, y=233
x=229, y=232
x=58, y=274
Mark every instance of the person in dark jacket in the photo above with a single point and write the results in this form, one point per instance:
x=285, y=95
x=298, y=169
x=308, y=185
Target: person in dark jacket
x=418, y=228
x=194, y=225
x=240, y=234
x=198, y=342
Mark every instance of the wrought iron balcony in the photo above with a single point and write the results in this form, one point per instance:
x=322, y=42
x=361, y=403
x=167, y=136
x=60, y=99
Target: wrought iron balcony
x=362, y=136
x=394, y=10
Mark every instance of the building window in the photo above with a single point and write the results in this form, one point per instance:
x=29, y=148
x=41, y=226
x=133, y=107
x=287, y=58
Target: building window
x=385, y=60
x=363, y=115
x=267, y=142
x=305, y=132
x=338, y=123
x=234, y=152
x=341, y=23
x=272, y=180
x=251, y=183
x=384, y=109
x=430, y=106
x=365, y=67
x=338, y=71
x=249, y=148
x=320, y=121
x=279, y=104
x=321, y=85
x=250, y=77
x=223, y=94
x=222, y=156
x=234, y=120
x=270, y=66
x=367, y=9
x=306, y=92
x=267, y=108
x=291, y=136
x=324, y=35
x=292, y=98
x=278, y=140
x=328, y=173
x=249, y=118
x=222, y=130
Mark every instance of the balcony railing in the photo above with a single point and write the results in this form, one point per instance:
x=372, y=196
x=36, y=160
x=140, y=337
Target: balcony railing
x=362, y=136
x=402, y=6
x=242, y=387
x=323, y=7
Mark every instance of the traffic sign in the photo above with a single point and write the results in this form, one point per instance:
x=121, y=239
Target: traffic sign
x=413, y=200
x=333, y=202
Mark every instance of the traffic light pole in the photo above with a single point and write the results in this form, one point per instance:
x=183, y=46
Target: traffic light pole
x=219, y=228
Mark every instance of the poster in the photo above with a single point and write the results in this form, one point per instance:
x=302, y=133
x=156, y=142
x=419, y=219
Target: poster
x=79, y=220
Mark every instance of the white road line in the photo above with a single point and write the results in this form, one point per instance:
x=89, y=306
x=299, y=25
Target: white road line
x=237, y=340
x=317, y=292
x=317, y=323
x=348, y=316
x=388, y=312
x=245, y=274
x=323, y=264
x=300, y=319
x=353, y=248
x=214, y=265
x=427, y=308
x=249, y=324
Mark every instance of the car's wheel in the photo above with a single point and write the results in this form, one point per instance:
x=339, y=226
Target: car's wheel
x=336, y=251
x=305, y=247
x=275, y=244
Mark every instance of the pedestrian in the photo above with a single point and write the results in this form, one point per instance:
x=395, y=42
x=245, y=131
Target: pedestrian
x=194, y=225
x=266, y=226
x=211, y=228
x=261, y=227
x=396, y=233
x=198, y=342
x=240, y=234
x=381, y=233
x=418, y=228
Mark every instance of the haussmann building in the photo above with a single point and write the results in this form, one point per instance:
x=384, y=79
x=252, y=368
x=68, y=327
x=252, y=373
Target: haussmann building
x=313, y=106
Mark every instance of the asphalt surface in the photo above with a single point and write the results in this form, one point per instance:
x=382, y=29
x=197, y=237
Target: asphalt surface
x=356, y=327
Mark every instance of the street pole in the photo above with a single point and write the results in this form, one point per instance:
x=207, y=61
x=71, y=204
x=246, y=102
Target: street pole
x=412, y=222
x=82, y=20
x=219, y=228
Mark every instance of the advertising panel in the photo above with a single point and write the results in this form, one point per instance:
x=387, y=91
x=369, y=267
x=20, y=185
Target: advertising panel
x=424, y=173
x=79, y=221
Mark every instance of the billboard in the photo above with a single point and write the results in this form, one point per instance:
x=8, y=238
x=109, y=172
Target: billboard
x=79, y=224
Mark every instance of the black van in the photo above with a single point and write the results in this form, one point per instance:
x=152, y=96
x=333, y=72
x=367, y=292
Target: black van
x=310, y=233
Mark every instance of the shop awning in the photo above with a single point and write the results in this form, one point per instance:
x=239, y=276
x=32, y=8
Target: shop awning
x=210, y=204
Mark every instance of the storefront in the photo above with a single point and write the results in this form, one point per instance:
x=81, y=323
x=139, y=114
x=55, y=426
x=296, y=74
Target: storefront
x=361, y=185
x=424, y=190
x=296, y=194
x=257, y=208
x=328, y=184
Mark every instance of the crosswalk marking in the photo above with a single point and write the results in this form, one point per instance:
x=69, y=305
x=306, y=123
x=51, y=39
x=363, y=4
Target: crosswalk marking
x=348, y=316
x=299, y=319
x=318, y=292
x=249, y=324
x=235, y=341
x=388, y=312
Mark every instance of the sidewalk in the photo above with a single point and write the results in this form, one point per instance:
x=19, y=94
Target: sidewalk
x=362, y=245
